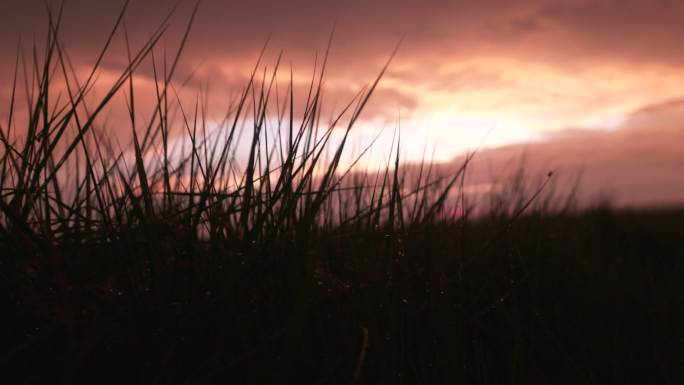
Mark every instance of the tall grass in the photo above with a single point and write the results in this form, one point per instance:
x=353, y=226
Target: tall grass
x=69, y=179
x=172, y=259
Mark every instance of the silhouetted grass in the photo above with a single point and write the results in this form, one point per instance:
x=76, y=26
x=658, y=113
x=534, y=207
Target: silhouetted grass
x=148, y=264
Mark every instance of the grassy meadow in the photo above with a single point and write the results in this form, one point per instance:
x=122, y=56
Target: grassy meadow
x=156, y=263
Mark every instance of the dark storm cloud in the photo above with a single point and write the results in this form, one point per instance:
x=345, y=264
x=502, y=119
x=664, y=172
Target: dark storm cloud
x=643, y=30
x=570, y=35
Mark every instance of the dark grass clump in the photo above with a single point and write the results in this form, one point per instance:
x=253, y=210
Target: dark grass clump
x=159, y=263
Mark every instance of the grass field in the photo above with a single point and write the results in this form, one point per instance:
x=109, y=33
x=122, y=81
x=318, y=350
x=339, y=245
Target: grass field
x=147, y=263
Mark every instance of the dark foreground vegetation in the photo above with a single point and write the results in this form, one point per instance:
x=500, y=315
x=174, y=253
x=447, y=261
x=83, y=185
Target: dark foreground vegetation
x=142, y=263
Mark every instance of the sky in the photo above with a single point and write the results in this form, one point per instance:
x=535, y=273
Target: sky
x=574, y=84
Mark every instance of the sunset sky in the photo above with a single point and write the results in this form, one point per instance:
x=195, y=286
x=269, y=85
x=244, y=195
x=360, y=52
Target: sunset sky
x=590, y=85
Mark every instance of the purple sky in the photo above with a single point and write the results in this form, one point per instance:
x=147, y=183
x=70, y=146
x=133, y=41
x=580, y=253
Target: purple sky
x=596, y=85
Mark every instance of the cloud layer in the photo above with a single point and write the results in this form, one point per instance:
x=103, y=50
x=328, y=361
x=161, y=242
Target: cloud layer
x=468, y=73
